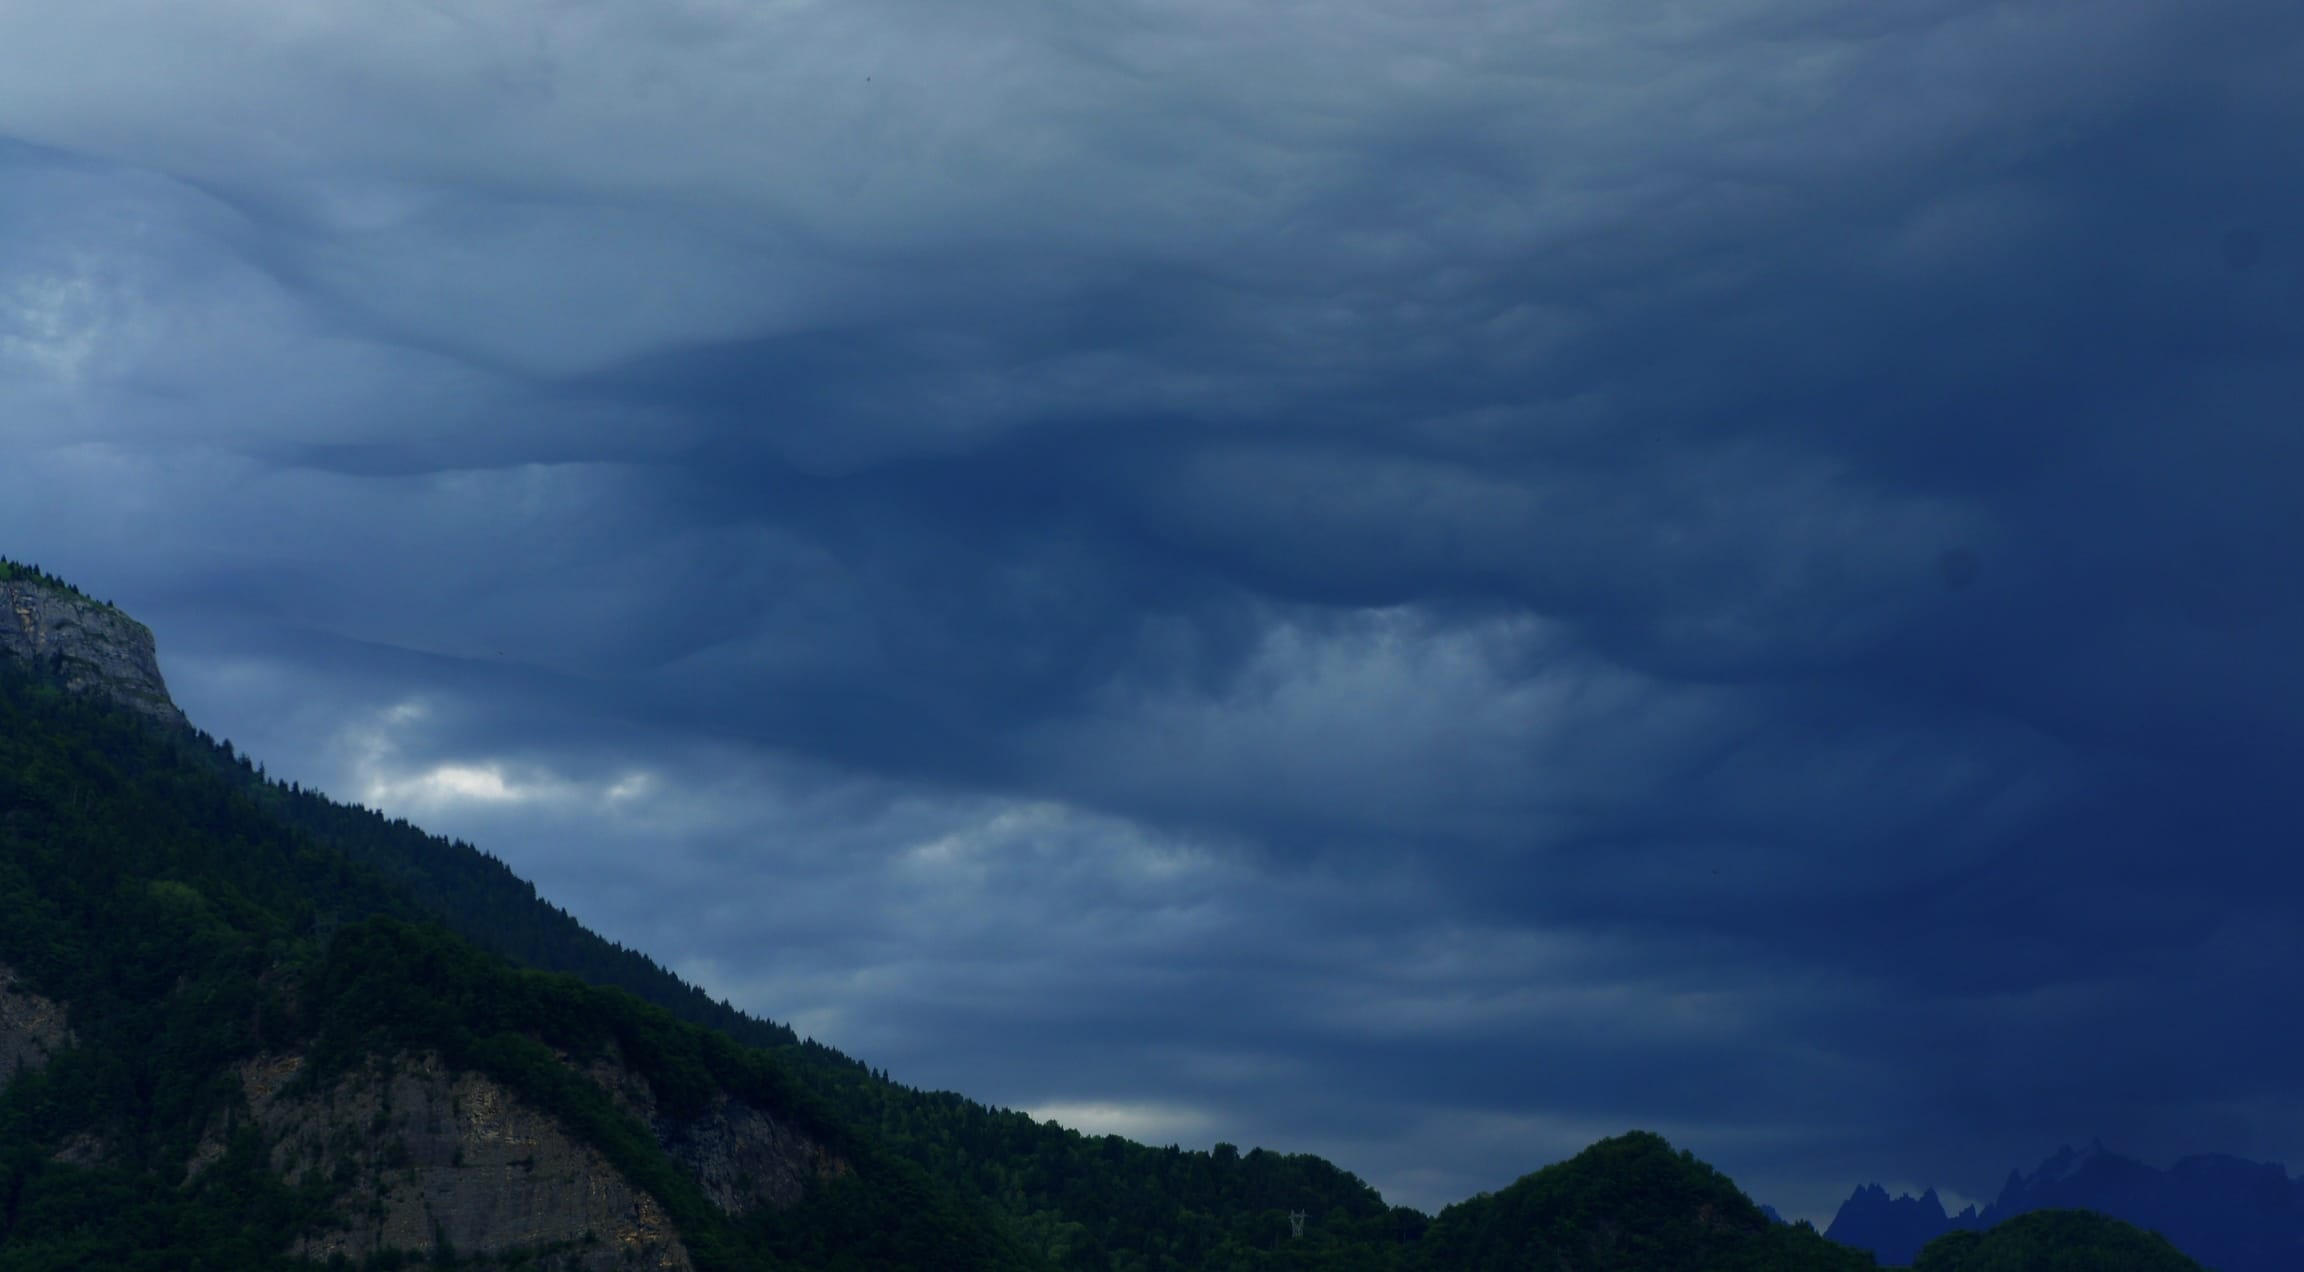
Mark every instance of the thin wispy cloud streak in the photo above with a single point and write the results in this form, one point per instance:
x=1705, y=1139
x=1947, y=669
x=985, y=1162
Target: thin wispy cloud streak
x=1423, y=583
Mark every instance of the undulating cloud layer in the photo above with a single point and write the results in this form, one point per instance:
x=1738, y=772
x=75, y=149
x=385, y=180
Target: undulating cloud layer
x=1425, y=583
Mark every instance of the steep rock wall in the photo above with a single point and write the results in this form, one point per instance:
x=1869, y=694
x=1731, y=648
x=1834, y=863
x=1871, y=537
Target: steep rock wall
x=32, y=1028
x=742, y=1157
x=94, y=647
x=424, y=1158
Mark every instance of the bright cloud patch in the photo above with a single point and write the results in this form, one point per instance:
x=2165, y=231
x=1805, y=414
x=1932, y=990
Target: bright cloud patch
x=455, y=781
x=1146, y=1123
x=392, y=782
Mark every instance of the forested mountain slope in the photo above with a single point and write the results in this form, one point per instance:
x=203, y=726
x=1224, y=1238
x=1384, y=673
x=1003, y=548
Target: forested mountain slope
x=210, y=1014
x=130, y=851
x=1078, y=1199
x=1628, y=1204
x=2055, y=1241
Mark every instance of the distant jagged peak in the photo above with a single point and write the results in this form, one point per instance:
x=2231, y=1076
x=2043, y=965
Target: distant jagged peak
x=2227, y=1166
x=92, y=646
x=1894, y=1228
x=2226, y=1212
x=2068, y=1161
x=2066, y=1169
x=1874, y=1197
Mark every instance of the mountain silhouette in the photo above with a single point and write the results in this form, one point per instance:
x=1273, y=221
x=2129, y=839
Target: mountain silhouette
x=2231, y=1214
x=245, y=1027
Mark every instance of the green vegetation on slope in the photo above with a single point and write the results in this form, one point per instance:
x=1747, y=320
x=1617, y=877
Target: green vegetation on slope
x=386, y=988
x=1080, y=1201
x=480, y=898
x=189, y=929
x=17, y=571
x=2054, y=1241
x=1628, y=1204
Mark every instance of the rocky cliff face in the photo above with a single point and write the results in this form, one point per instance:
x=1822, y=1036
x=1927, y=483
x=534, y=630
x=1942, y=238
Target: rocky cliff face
x=94, y=647
x=423, y=1159
x=31, y=1028
x=743, y=1158
x=427, y=1161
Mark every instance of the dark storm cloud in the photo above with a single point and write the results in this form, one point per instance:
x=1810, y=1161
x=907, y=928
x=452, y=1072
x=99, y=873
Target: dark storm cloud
x=1741, y=562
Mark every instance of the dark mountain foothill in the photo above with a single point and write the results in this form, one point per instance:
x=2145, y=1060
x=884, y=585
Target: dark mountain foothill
x=2055, y=1241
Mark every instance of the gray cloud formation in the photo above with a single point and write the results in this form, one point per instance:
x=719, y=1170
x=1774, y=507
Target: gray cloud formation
x=1421, y=583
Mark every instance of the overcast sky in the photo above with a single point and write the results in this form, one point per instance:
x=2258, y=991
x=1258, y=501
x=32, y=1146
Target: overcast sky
x=1424, y=582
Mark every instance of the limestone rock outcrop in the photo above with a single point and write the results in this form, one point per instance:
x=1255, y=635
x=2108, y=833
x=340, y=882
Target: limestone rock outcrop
x=741, y=1156
x=32, y=1028
x=428, y=1160
x=94, y=647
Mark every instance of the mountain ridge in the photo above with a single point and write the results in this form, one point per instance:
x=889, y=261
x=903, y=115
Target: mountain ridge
x=259, y=1029
x=2232, y=1214
x=193, y=945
